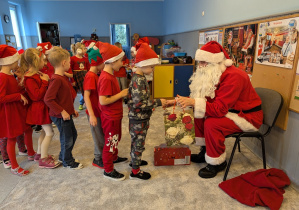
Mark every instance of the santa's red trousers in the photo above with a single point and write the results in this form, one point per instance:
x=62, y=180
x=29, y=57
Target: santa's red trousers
x=112, y=130
x=214, y=131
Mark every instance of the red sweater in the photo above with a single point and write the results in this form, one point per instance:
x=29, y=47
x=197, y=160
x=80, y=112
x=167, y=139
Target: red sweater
x=59, y=96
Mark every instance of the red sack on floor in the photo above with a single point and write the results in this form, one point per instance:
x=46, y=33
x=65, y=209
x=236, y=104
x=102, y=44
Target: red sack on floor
x=263, y=187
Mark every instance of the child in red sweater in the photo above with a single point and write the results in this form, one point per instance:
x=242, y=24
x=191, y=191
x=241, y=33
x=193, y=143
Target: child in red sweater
x=91, y=99
x=36, y=84
x=12, y=108
x=111, y=107
x=59, y=99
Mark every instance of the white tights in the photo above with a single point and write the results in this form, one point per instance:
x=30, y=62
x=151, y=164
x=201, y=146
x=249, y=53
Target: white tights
x=44, y=140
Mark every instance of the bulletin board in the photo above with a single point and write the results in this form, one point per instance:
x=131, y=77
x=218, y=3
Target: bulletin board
x=294, y=103
x=283, y=80
x=205, y=36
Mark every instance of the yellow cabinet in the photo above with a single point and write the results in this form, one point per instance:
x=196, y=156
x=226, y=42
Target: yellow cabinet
x=163, y=81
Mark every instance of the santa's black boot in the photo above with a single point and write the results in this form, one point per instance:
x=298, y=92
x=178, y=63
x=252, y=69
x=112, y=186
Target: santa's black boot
x=211, y=171
x=200, y=157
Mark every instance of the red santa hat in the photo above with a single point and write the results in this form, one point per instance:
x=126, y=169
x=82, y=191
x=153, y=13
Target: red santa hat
x=110, y=53
x=89, y=43
x=44, y=47
x=213, y=52
x=8, y=55
x=21, y=51
x=140, y=41
x=145, y=56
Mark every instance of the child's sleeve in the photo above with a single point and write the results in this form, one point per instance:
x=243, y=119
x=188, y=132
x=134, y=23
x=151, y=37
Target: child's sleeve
x=7, y=98
x=139, y=95
x=51, y=95
x=35, y=92
x=89, y=83
x=105, y=87
x=87, y=64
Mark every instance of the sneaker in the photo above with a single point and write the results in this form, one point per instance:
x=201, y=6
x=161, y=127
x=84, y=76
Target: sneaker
x=143, y=163
x=7, y=164
x=31, y=158
x=119, y=160
x=48, y=163
x=74, y=165
x=60, y=161
x=98, y=163
x=80, y=107
x=114, y=175
x=23, y=153
x=142, y=175
x=36, y=157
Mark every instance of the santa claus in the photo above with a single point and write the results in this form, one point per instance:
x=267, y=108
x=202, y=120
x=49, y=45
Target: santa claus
x=224, y=102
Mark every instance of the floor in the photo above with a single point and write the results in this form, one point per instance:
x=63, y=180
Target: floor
x=171, y=187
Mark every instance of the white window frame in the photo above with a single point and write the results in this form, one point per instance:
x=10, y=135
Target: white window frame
x=16, y=25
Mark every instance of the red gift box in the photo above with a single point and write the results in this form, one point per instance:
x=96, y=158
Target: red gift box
x=171, y=156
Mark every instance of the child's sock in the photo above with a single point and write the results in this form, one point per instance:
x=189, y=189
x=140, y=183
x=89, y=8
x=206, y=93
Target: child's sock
x=28, y=141
x=135, y=171
x=11, y=150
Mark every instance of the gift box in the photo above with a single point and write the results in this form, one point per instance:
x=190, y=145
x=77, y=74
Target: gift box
x=171, y=156
x=179, y=126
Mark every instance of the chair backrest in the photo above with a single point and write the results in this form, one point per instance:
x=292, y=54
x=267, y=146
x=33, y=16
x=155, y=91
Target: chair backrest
x=271, y=105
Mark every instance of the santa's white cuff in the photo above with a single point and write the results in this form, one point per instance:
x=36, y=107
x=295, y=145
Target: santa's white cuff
x=241, y=122
x=216, y=160
x=199, y=108
x=200, y=141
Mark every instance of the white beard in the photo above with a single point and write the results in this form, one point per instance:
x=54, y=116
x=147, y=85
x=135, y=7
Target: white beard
x=204, y=81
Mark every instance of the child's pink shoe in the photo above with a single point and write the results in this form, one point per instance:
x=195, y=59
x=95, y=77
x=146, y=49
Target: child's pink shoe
x=37, y=157
x=7, y=164
x=48, y=163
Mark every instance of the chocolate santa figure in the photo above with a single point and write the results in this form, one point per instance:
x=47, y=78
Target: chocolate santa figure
x=224, y=102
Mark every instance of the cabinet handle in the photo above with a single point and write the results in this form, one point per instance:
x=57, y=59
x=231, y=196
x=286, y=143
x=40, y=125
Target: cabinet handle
x=170, y=81
x=176, y=81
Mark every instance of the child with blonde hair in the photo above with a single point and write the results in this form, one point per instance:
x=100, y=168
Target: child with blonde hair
x=60, y=100
x=12, y=108
x=36, y=84
x=79, y=67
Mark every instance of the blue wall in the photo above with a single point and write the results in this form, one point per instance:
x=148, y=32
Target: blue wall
x=185, y=15
x=80, y=18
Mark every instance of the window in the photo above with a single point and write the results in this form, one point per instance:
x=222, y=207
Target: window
x=15, y=25
x=121, y=33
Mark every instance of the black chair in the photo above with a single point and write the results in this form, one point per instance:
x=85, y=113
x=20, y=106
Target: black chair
x=271, y=105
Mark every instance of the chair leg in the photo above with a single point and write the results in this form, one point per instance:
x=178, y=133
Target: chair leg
x=263, y=151
x=231, y=158
x=239, y=148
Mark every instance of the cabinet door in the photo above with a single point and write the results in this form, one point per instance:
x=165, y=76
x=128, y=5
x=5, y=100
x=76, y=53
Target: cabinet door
x=163, y=82
x=182, y=75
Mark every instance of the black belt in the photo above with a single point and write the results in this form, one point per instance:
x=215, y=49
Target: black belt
x=255, y=109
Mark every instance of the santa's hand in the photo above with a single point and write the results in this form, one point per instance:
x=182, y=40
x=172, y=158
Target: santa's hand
x=185, y=101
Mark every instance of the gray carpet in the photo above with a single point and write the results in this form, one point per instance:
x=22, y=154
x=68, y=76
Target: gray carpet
x=171, y=187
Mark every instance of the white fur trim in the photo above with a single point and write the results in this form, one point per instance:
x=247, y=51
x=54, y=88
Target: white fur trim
x=228, y=62
x=241, y=122
x=148, y=62
x=115, y=58
x=200, y=108
x=200, y=141
x=217, y=160
x=91, y=45
x=9, y=60
x=202, y=55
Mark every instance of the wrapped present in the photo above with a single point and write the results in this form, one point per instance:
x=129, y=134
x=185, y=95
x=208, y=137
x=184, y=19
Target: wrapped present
x=179, y=126
x=170, y=156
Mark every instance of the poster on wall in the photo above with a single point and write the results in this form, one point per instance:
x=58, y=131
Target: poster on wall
x=297, y=91
x=277, y=42
x=240, y=44
x=211, y=36
x=11, y=41
x=201, y=38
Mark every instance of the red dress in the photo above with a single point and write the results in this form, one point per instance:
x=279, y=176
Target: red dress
x=38, y=112
x=12, y=111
